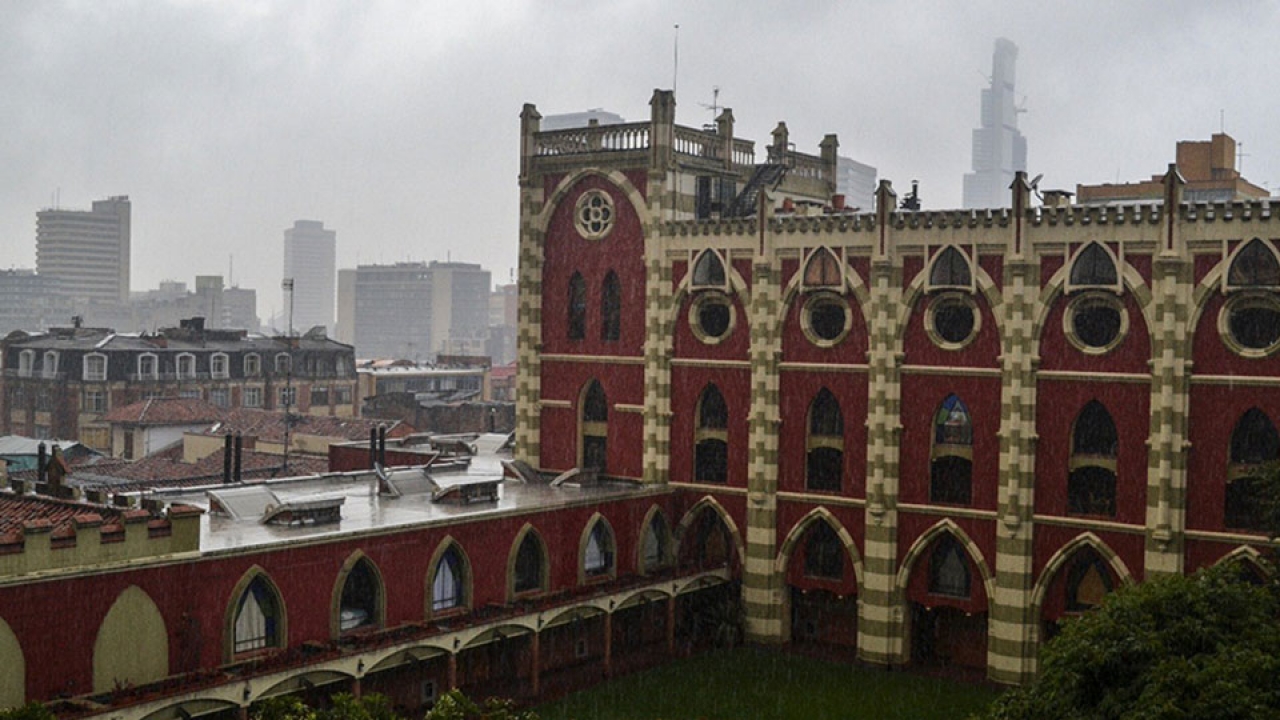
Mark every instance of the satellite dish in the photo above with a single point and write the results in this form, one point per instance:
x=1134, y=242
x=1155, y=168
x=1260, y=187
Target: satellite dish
x=1035, y=182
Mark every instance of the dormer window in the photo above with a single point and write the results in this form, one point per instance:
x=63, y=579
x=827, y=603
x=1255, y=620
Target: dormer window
x=186, y=366
x=252, y=365
x=219, y=366
x=284, y=363
x=148, y=366
x=50, y=367
x=95, y=367
x=26, y=361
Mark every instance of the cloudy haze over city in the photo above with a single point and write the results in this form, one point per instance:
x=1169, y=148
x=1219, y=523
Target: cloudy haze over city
x=396, y=123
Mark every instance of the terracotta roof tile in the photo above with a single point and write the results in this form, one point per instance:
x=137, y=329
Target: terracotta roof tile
x=166, y=411
x=37, y=512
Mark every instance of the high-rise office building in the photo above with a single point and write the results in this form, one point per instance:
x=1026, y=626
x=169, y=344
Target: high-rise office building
x=999, y=149
x=415, y=311
x=309, y=251
x=86, y=251
x=857, y=182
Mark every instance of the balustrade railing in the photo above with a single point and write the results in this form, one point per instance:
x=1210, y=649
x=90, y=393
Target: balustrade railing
x=599, y=138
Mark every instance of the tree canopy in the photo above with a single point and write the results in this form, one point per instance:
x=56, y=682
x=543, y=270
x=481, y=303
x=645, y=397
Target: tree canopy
x=1177, y=648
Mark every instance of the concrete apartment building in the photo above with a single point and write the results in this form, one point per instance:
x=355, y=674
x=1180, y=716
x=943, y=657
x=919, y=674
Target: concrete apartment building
x=87, y=252
x=309, y=260
x=1208, y=167
x=64, y=382
x=414, y=310
x=999, y=149
x=29, y=301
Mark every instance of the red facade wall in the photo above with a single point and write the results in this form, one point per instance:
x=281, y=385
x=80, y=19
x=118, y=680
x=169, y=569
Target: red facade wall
x=797, y=389
x=193, y=596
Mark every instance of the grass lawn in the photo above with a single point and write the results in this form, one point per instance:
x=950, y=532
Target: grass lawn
x=751, y=683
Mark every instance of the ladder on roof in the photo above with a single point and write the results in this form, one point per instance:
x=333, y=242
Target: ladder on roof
x=767, y=175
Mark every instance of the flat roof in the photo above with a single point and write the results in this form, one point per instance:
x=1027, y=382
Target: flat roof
x=364, y=510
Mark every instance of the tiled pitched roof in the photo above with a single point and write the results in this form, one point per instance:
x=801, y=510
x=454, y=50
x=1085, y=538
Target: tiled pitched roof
x=269, y=425
x=18, y=511
x=167, y=469
x=166, y=411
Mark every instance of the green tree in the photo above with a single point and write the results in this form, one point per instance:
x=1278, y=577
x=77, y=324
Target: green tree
x=1177, y=648
x=283, y=707
x=454, y=705
x=30, y=711
x=367, y=707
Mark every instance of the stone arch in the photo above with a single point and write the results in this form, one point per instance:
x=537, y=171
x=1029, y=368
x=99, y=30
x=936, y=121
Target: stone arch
x=527, y=531
x=1059, y=560
x=1247, y=554
x=585, y=538
x=1130, y=280
x=986, y=288
x=737, y=285
x=668, y=554
x=13, y=669
x=926, y=539
x=818, y=514
x=304, y=679
x=436, y=558
x=566, y=185
x=691, y=515
x=132, y=647
x=233, y=607
x=1215, y=281
x=853, y=285
x=335, y=602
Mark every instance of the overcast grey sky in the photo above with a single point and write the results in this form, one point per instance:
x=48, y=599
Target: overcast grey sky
x=396, y=123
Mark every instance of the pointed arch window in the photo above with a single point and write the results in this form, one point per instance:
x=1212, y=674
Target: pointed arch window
x=1254, y=442
x=447, y=585
x=824, y=457
x=1091, y=485
x=711, y=438
x=1255, y=265
x=708, y=271
x=597, y=559
x=529, y=565
x=611, y=308
x=948, y=569
x=577, y=307
x=1094, y=267
x=1088, y=581
x=594, y=448
x=711, y=540
x=361, y=598
x=258, y=618
x=951, y=463
x=950, y=269
x=655, y=543
x=823, y=552
x=823, y=270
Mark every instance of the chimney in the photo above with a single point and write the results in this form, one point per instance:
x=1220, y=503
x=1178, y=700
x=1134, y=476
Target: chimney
x=382, y=445
x=42, y=458
x=239, y=451
x=227, y=458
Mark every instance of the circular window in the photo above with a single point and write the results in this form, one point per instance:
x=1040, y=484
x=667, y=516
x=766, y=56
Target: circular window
x=711, y=316
x=1250, y=324
x=1096, y=322
x=826, y=319
x=952, y=320
x=594, y=214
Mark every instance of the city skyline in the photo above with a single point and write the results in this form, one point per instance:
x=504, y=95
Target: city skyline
x=224, y=123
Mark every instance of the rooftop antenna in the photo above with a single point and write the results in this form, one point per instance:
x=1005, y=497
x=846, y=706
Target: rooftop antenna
x=1240, y=156
x=714, y=107
x=675, y=57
